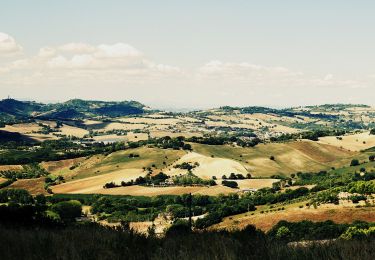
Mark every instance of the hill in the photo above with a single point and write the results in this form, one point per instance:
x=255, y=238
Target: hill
x=72, y=109
x=289, y=157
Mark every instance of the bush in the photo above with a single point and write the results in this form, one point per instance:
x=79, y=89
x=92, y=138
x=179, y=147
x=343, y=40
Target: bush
x=358, y=233
x=18, y=196
x=357, y=198
x=179, y=227
x=230, y=184
x=354, y=162
x=283, y=233
x=68, y=210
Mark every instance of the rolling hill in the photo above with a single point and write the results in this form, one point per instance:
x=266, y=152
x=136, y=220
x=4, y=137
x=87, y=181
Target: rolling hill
x=72, y=109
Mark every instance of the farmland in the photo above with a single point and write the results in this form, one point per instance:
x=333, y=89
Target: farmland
x=293, y=213
x=242, y=166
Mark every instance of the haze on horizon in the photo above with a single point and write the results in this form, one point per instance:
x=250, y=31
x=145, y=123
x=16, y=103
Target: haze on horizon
x=189, y=54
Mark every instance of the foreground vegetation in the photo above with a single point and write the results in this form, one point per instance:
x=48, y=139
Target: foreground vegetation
x=96, y=242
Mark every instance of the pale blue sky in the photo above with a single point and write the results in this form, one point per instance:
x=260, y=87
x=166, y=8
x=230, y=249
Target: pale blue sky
x=324, y=40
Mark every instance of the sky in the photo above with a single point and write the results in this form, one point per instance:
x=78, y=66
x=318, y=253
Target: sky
x=189, y=54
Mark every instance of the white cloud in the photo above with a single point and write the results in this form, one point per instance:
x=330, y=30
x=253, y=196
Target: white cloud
x=120, y=71
x=86, y=64
x=118, y=50
x=253, y=75
x=328, y=77
x=77, y=47
x=47, y=52
x=8, y=46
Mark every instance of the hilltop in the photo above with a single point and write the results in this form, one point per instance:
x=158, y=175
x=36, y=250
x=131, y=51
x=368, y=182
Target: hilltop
x=72, y=109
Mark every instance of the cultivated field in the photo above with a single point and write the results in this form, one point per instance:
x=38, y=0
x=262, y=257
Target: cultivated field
x=101, y=164
x=22, y=128
x=34, y=186
x=119, y=167
x=356, y=142
x=72, y=131
x=95, y=184
x=208, y=167
x=292, y=213
x=290, y=157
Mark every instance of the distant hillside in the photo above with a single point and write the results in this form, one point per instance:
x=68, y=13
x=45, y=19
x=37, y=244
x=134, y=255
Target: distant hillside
x=15, y=108
x=289, y=112
x=6, y=136
x=72, y=109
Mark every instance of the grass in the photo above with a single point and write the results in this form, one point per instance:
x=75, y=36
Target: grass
x=351, y=169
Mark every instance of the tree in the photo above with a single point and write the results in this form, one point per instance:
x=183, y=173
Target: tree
x=158, y=178
x=19, y=196
x=68, y=210
x=272, y=158
x=240, y=176
x=40, y=199
x=179, y=227
x=358, y=233
x=232, y=176
x=187, y=147
x=371, y=158
x=230, y=184
x=354, y=162
x=283, y=233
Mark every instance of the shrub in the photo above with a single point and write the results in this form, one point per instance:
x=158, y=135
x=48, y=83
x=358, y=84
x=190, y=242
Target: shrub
x=354, y=162
x=230, y=184
x=283, y=233
x=68, y=210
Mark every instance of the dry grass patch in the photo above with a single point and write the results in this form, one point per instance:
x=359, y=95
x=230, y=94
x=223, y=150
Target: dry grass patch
x=2, y=180
x=73, y=131
x=34, y=186
x=61, y=167
x=256, y=183
x=123, y=126
x=208, y=166
x=89, y=188
x=95, y=184
x=266, y=221
x=151, y=121
x=158, y=134
x=290, y=157
x=121, y=160
x=22, y=128
x=356, y=142
x=10, y=168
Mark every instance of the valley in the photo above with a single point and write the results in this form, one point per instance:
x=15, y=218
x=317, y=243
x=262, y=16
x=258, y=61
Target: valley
x=266, y=165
